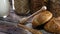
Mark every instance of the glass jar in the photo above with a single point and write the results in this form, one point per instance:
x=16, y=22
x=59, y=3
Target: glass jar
x=4, y=8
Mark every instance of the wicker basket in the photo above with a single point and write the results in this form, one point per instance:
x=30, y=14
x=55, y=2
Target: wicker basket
x=37, y=4
x=54, y=7
x=21, y=7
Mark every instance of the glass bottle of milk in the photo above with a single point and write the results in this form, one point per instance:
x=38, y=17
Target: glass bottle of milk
x=4, y=8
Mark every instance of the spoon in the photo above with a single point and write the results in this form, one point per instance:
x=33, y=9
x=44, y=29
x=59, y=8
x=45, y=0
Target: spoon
x=23, y=20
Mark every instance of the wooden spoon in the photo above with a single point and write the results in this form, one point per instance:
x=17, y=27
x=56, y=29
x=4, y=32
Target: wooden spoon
x=23, y=20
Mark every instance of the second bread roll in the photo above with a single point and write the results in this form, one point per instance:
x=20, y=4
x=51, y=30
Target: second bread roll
x=53, y=25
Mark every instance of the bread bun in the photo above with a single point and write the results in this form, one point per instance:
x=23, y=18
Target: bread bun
x=41, y=18
x=53, y=25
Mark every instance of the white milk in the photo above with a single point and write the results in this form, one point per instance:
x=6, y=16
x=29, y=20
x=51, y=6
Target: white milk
x=4, y=8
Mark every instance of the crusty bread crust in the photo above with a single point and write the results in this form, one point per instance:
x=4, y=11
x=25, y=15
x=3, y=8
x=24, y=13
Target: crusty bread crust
x=41, y=18
x=53, y=25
